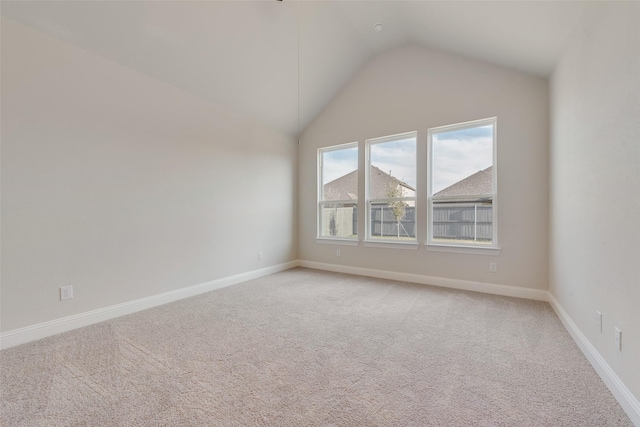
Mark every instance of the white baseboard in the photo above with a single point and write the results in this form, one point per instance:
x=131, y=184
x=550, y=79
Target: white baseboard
x=487, y=288
x=623, y=395
x=64, y=324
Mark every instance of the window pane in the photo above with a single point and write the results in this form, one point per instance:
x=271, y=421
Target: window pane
x=463, y=223
x=393, y=168
x=338, y=220
x=393, y=220
x=391, y=187
x=462, y=184
x=340, y=174
x=338, y=198
x=462, y=162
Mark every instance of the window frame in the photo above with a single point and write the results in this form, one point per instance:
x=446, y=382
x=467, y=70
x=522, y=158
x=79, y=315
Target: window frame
x=391, y=242
x=320, y=195
x=468, y=247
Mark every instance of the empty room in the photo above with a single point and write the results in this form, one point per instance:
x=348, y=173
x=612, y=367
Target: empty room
x=320, y=213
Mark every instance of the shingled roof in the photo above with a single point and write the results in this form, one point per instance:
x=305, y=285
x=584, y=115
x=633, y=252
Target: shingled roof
x=346, y=187
x=479, y=183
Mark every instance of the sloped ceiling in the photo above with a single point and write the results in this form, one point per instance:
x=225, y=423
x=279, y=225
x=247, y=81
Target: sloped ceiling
x=282, y=62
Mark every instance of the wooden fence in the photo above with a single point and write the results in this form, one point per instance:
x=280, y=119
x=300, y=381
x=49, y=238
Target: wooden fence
x=384, y=223
x=471, y=222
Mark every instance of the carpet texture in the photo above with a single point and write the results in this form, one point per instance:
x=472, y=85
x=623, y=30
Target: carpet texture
x=311, y=348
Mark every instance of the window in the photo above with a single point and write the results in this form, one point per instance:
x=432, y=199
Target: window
x=391, y=188
x=462, y=194
x=338, y=192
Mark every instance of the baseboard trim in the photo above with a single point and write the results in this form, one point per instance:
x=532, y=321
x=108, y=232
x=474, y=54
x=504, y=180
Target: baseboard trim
x=487, y=288
x=623, y=395
x=45, y=329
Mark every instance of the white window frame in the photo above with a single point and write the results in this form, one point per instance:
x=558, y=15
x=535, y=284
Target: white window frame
x=465, y=247
x=381, y=242
x=320, y=196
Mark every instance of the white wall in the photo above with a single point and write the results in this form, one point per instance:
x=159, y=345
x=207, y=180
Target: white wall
x=125, y=187
x=595, y=185
x=413, y=89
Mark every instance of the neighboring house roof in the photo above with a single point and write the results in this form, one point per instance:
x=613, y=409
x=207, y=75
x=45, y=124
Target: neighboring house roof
x=343, y=188
x=479, y=183
x=346, y=187
x=381, y=182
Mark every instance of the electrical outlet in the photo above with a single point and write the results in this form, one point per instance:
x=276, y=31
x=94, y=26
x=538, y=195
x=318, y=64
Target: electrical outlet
x=337, y=252
x=260, y=256
x=493, y=267
x=618, y=339
x=66, y=292
x=599, y=321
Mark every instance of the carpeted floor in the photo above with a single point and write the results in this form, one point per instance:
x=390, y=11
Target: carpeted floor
x=311, y=348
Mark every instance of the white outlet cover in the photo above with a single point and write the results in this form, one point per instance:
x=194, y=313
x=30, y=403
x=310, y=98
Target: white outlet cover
x=66, y=292
x=618, y=339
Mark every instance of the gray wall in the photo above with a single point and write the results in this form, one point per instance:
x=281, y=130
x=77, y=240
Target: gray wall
x=413, y=88
x=595, y=184
x=125, y=187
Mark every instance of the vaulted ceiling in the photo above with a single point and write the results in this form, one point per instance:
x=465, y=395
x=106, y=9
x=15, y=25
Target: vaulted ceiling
x=282, y=62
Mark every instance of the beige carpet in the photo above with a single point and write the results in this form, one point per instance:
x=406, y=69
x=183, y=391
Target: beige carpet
x=310, y=348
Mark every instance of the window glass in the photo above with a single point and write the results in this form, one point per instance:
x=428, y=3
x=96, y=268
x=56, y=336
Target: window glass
x=462, y=195
x=391, y=188
x=338, y=192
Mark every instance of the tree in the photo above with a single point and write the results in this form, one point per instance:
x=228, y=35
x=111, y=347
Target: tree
x=333, y=227
x=398, y=207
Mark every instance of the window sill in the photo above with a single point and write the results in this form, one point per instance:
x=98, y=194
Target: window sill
x=389, y=244
x=344, y=242
x=475, y=250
